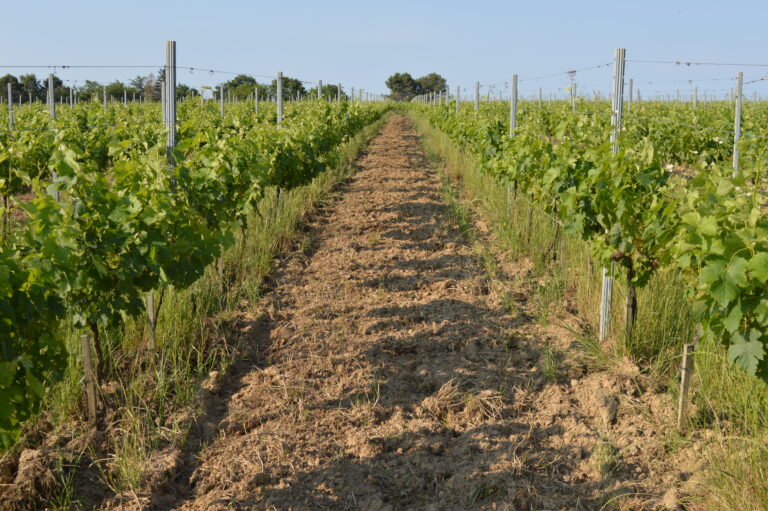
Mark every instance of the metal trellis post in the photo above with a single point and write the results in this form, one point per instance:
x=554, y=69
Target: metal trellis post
x=513, y=107
x=221, y=101
x=737, y=122
x=170, y=96
x=695, y=98
x=10, y=105
x=616, y=115
x=458, y=98
x=279, y=99
x=51, y=98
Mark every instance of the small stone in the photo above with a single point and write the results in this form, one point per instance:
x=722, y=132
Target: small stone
x=575, y=373
x=609, y=404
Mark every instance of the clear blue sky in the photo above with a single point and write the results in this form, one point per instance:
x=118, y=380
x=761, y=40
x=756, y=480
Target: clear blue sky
x=361, y=43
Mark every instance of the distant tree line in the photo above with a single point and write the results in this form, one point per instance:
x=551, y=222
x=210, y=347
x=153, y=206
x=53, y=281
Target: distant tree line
x=403, y=86
x=29, y=86
x=149, y=87
x=243, y=86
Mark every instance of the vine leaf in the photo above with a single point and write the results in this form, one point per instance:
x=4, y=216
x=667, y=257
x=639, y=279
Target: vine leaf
x=747, y=354
x=758, y=267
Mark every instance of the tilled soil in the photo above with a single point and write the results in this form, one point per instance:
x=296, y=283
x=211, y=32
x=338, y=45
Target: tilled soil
x=388, y=372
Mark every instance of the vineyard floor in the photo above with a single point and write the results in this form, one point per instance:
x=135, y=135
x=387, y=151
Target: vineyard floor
x=388, y=368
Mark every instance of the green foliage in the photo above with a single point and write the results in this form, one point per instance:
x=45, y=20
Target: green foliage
x=403, y=86
x=331, y=91
x=30, y=85
x=183, y=91
x=127, y=224
x=116, y=89
x=632, y=210
x=723, y=247
x=432, y=82
x=16, y=87
x=291, y=87
x=31, y=306
x=241, y=87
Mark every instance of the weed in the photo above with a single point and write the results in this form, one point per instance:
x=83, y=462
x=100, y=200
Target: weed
x=605, y=457
x=549, y=363
x=374, y=239
x=509, y=304
x=306, y=244
x=483, y=492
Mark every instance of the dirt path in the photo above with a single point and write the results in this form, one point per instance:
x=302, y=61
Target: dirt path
x=387, y=375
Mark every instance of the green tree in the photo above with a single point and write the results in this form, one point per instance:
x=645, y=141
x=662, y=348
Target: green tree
x=402, y=86
x=62, y=92
x=30, y=85
x=16, y=87
x=240, y=87
x=291, y=86
x=137, y=84
x=332, y=90
x=90, y=91
x=153, y=86
x=432, y=82
x=116, y=89
x=184, y=90
x=239, y=80
x=328, y=91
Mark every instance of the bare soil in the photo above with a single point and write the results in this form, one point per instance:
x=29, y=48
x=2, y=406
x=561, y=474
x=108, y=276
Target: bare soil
x=386, y=370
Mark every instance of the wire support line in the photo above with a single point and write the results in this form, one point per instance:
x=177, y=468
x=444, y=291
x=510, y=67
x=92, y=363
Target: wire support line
x=565, y=73
x=687, y=92
x=637, y=82
x=217, y=71
x=562, y=73
x=666, y=121
x=252, y=75
x=63, y=66
x=691, y=80
x=691, y=63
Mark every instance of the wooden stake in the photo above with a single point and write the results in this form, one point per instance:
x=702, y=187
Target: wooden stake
x=90, y=377
x=220, y=272
x=151, y=319
x=528, y=226
x=685, y=379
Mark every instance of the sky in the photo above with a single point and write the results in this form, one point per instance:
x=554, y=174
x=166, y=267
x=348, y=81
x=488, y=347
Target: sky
x=359, y=44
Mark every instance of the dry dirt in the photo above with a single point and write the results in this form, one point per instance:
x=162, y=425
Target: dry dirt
x=385, y=372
